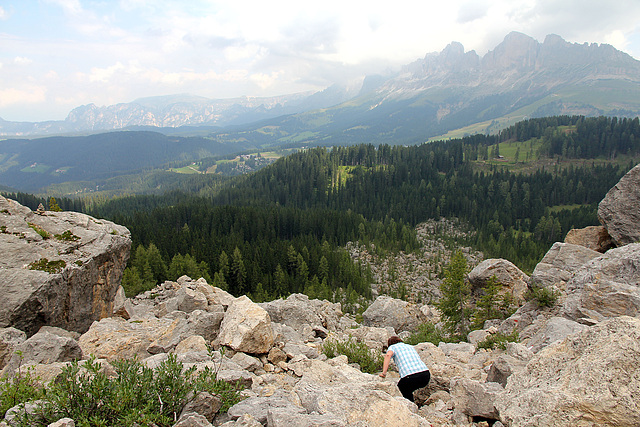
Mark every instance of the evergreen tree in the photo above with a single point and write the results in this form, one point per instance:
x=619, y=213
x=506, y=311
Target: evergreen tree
x=456, y=294
x=53, y=205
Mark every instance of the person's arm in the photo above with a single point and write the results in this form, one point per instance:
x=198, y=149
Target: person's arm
x=385, y=365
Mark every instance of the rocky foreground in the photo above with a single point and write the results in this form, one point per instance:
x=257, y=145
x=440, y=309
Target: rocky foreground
x=577, y=363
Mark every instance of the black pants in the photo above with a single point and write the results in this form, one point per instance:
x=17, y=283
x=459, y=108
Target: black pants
x=411, y=383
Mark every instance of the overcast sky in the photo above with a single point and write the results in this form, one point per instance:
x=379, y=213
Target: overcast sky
x=56, y=55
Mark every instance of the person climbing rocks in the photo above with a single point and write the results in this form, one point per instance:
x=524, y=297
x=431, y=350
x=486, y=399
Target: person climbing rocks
x=414, y=374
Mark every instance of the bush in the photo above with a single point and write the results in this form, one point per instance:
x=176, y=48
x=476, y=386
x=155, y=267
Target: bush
x=544, y=297
x=137, y=395
x=21, y=388
x=357, y=352
x=498, y=340
x=427, y=332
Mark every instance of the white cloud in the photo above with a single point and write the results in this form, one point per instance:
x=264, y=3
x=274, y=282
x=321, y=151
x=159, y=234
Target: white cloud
x=26, y=95
x=21, y=60
x=104, y=74
x=3, y=14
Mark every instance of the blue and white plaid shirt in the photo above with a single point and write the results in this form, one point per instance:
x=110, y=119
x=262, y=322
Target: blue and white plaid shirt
x=407, y=359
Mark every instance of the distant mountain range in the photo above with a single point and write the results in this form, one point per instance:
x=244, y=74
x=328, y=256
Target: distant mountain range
x=441, y=92
x=446, y=94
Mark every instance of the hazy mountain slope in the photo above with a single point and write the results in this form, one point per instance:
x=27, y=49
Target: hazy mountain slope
x=173, y=111
x=520, y=78
x=31, y=164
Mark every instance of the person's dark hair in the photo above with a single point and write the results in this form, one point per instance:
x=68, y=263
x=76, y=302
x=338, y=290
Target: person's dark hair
x=393, y=340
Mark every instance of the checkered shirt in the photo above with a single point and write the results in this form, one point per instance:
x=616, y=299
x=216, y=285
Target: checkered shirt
x=407, y=359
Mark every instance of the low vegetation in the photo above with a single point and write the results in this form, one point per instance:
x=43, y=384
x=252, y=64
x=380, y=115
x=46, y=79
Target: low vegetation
x=135, y=396
x=356, y=351
x=52, y=267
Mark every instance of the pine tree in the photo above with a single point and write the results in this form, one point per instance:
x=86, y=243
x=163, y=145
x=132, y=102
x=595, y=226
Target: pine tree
x=53, y=205
x=456, y=294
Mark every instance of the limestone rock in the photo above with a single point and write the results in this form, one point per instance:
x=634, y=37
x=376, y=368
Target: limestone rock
x=10, y=338
x=44, y=347
x=257, y=407
x=298, y=310
x=85, y=258
x=594, y=237
x=204, y=404
x=619, y=211
x=559, y=264
x=279, y=417
x=117, y=338
x=246, y=327
x=475, y=399
x=606, y=286
x=555, y=329
x=590, y=378
x=400, y=315
x=192, y=419
x=513, y=280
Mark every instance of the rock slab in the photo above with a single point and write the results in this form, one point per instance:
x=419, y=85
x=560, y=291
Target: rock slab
x=619, y=211
x=85, y=258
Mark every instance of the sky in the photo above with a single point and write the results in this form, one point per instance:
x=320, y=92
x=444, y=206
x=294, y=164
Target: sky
x=56, y=55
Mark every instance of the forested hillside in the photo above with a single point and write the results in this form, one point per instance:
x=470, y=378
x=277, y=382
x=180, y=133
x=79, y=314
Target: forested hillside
x=281, y=229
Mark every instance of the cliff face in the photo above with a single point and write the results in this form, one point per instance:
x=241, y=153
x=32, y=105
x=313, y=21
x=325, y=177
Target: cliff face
x=58, y=268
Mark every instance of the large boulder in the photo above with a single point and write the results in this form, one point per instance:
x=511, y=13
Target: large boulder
x=10, y=338
x=43, y=347
x=619, y=211
x=58, y=268
x=117, y=338
x=590, y=378
x=512, y=279
x=559, y=264
x=390, y=312
x=606, y=286
x=298, y=310
x=594, y=237
x=246, y=327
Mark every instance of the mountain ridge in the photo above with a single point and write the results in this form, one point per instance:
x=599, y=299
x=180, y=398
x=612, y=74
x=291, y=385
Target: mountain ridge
x=589, y=78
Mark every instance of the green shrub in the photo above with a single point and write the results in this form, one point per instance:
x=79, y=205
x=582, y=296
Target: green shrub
x=137, y=395
x=427, y=332
x=67, y=236
x=41, y=231
x=356, y=352
x=44, y=264
x=544, y=297
x=498, y=340
x=21, y=388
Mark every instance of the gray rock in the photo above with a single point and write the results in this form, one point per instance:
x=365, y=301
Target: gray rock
x=44, y=347
x=606, y=286
x=513, y=280
x=246, y=327
x=500, y=371
x=286, y=417
x=619, y=211
x=258, y=407
x=10, y=338
x=594, y=237
x=204, y=404
x=298, y=310
x=192, y=420
x=83, y=289
x=556, y=329
x=590, y=378
x=475, y=399
x=559, y=264
x=390, y=312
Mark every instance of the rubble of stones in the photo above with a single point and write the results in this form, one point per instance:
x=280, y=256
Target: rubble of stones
x=577, y=362
x=418, y=273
